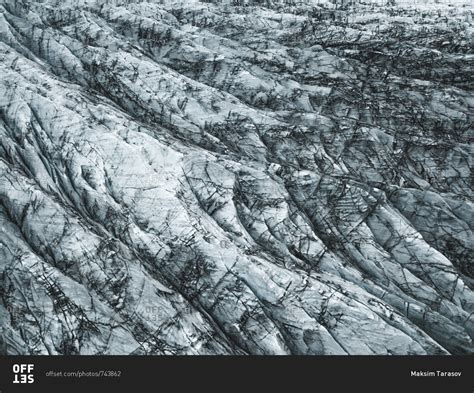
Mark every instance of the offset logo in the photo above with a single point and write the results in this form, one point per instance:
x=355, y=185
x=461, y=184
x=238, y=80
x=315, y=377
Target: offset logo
x=23, y=373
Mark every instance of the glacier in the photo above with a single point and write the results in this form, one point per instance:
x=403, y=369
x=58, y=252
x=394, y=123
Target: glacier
x=236, y=177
